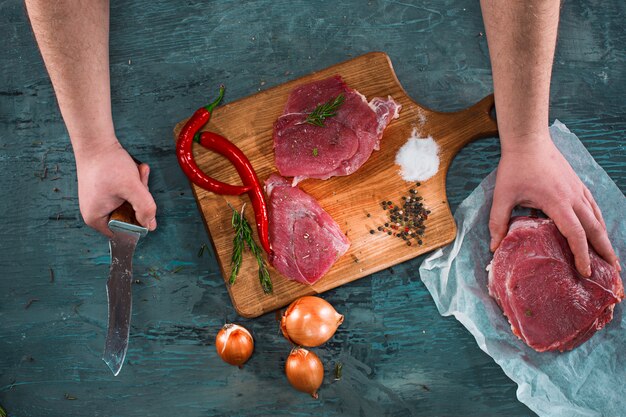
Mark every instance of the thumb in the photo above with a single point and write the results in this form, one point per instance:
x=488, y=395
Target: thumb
x=499, y=219
x=145, y=208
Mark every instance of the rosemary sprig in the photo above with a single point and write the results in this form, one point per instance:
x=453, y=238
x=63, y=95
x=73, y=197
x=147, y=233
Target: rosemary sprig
x=238, y=244
x=243, y=237
x=324, y=111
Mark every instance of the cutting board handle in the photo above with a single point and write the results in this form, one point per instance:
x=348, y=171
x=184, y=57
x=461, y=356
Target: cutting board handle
x=473, y=123
x=484, y=111
x=462, y=127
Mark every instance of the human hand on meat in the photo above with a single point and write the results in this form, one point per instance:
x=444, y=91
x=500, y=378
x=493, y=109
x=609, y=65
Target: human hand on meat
x=108, y=176
x=532, y=172
x=535, y=174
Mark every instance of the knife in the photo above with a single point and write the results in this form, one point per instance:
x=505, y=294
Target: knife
x=126, y=233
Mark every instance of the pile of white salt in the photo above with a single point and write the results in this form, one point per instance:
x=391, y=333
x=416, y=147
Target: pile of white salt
x=418, y=158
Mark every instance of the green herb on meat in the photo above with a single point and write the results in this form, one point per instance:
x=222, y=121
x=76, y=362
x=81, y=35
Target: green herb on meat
x=315, y=152
x=324, y=111
x=243, y=237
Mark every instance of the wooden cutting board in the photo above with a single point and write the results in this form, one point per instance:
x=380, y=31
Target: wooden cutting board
x=248, y=123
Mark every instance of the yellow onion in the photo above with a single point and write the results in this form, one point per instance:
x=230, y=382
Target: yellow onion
x=234, y=344
x=305, y=371
x=310, y=321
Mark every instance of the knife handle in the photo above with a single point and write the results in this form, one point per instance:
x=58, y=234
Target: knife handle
x=125, y=213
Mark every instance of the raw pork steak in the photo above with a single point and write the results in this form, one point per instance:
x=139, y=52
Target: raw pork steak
x=305, y=239
x=549, y=305
x=345, y=141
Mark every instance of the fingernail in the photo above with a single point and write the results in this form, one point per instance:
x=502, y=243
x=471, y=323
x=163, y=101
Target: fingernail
x=588, y=271
x=618, y=266
x=152, y=224
x=492, y=244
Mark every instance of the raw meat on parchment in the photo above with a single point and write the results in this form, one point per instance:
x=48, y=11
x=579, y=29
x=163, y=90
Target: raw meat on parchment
x=550, y=306
x=343, y=144
x=306, y=241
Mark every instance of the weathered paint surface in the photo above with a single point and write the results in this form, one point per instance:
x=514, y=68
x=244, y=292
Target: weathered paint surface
x=400, y=357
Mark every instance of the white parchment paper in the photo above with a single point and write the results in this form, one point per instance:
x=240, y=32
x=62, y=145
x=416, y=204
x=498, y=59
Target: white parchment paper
x=588, y=381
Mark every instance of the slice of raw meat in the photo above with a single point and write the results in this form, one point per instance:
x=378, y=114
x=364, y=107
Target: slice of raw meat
x=305, y=98
x=317, y=158
x=345, y=141
x=550, y=306
x=306, y=241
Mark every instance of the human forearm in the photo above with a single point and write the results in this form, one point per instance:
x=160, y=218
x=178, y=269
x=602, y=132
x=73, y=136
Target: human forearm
x=73, y=36
x=73, y=39
x=522, y=38
x=532, y=172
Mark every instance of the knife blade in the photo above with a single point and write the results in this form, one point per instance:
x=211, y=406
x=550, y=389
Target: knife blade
x=126, y=233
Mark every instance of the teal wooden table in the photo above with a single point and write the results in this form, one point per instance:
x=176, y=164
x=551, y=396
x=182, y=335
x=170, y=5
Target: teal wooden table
x=400, y=357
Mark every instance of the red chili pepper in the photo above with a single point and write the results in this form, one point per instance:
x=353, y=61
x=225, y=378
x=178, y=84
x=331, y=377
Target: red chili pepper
x=185, y=154
x=218, y=143
x=248, y=176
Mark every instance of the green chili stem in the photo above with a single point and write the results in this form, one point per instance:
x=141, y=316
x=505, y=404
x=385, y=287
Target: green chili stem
x=212, y=105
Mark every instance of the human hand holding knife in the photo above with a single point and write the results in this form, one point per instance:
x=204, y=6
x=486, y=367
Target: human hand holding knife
x=126, y=233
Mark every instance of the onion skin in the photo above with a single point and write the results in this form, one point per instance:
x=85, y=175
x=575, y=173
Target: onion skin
x=305, y=371
x=310, y=321
x=234, y=344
